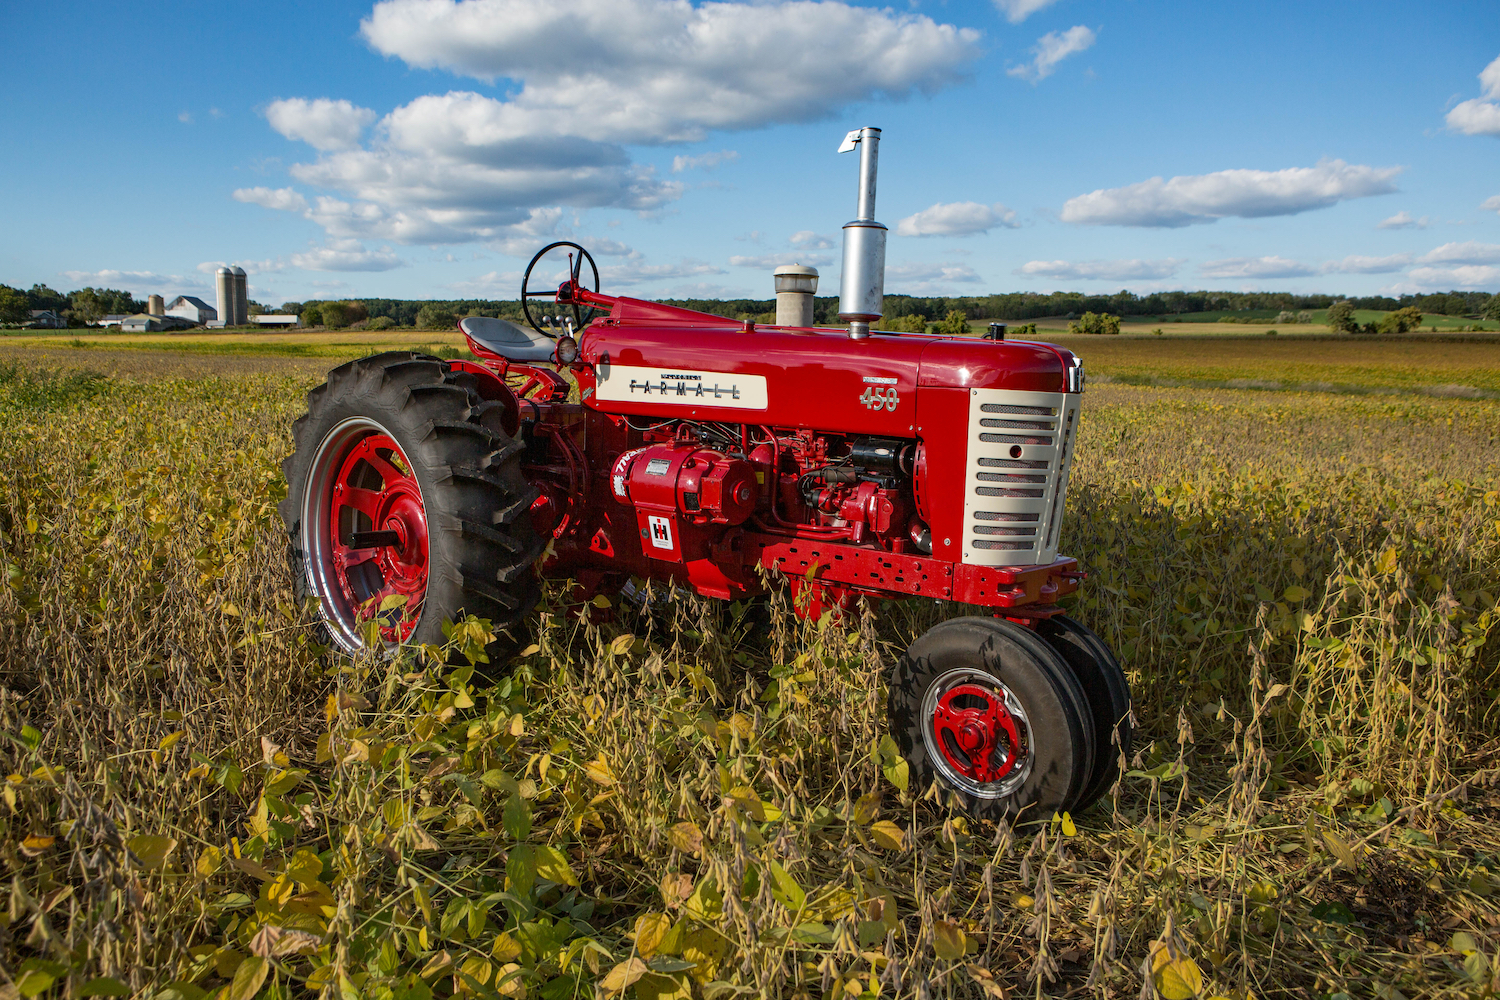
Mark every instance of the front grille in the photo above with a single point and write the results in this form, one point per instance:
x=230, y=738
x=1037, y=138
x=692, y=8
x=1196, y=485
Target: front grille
x=1020, y=449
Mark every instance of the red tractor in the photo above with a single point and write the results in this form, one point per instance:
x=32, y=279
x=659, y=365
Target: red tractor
x=677, y=446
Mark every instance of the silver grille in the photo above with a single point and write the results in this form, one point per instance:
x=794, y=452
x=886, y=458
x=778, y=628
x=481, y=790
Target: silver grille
x=1020, y=448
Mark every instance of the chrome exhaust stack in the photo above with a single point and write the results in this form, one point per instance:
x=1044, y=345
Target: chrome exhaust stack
x=862, y=284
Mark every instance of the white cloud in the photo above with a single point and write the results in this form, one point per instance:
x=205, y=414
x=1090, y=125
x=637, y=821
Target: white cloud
x=809, y=240
x=1051, y=49
x=1472, y=277
x=284, y=199
x=922, y=279
x=1247, y=194
x=467, y=166
x=186, y=117
x=321, y=123
x=960, y=218
x=1481, y=115
x=498, y=283
x=1016, y=11
x=620, y=275
x=346, y=255
x=250, y=266
x=1403, y=220
x=1256, y=267
x=1356, y=264
x=137, y=283
x=705, y=162
x=777, y=259
x=1468, y=252
x=1491, y=204
x=1100, y=270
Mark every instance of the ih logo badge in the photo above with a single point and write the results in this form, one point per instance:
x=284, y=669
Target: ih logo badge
x=661, y=532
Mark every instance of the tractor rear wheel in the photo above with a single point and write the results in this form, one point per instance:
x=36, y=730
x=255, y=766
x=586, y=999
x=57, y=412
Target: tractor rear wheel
x=1108, y=693
x=406, y=504
x=992, y=712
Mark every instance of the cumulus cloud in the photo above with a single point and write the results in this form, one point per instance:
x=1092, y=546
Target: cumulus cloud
x=809, y=240
x=1491, y=204
x=1481, y=115
x=465, y=166
x=1470, y=276
x=920, y=279
x=1468, y=252
x=321, y=123
x=1403, y=220
x=284, y=199
x=777, y=259
x=1256, y=267
x=1051, y=49
x=960, y=218
x=1246, y=194
x=1356, y=264
x=1100, y=270
x=346, y=255
x=1016, y=11
x=707, y=161
x=137, y=283
x=634, y=273
x=186, y=117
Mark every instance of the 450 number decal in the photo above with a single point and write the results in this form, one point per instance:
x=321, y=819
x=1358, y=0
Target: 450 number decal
x=874, y=398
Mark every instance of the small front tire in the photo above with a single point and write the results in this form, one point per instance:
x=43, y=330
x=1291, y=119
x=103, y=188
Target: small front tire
x=990, y=711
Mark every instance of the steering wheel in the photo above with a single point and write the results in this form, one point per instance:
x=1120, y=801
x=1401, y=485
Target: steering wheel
x=579, y=317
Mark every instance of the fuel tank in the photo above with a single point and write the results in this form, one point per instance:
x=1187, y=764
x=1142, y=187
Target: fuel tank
x=651, y=360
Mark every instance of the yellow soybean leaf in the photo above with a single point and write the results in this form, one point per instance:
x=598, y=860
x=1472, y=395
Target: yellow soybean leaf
x=505, y=948
x=1387, y=562
x=599, y=770
x=888, y=834
x=248, y=979
x=623, y=975
x=35, y=844
x=650, y=930
x=600, y=601
x=1175, y=975
x=152, y=851
x=948, y=941
x=1295, y=593
x=510, y=981
x=621, y=645
x=686, y=837
x=552, y=865
x=741, y=725
x=1069, y=829
x=209, y=861
x=170, y=740
x=1340, y=850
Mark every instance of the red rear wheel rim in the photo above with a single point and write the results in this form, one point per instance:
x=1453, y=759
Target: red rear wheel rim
x=377, y=524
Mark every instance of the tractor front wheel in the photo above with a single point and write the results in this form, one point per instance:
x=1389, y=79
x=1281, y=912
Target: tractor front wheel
x=989, y=710
x=406, y=504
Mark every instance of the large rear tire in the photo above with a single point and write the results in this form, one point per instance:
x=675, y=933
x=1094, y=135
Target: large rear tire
x=1108, y=692
x=406, y=505
x=993, y=713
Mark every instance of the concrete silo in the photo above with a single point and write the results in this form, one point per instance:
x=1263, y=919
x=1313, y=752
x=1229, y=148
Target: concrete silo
x=224, y=287
x=154, y=306
x=241, y=297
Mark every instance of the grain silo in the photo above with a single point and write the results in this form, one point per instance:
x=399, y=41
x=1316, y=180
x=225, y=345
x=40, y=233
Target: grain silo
x=154, y=305
x=224, y=286
x=241, y=297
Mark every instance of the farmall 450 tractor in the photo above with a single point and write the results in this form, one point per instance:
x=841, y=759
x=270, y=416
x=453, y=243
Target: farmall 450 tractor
x=702, y=452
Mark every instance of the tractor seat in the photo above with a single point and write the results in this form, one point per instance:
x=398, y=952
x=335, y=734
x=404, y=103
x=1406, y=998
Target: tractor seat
x=510, y=341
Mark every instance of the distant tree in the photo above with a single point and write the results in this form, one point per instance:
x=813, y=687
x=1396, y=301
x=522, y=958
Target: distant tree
x=42, y=297
x=15, y=308
x=955, y=324
x=434, y=316
x=335, y=315
x=355, y=312
x=1096, y=323
x=1304, y=316
x=380, y=323
x=1341, y=318
x=254, y=308
x=290, y=309
x=1492, y=311
x=312, y=314
x=86, y=306
x=910, y=323
x=1401, y=321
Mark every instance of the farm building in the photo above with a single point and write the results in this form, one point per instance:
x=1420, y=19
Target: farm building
x=147, y=323
x=46, y=319
x=192, y=309
x=276, y=319
x=112, y=320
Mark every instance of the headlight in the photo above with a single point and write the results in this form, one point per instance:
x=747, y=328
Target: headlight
x=567, y=350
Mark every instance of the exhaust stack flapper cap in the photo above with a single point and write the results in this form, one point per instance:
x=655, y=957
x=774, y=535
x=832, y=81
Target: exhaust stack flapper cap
x=796, y=278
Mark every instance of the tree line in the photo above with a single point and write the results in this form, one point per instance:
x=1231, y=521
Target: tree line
x=87, y=305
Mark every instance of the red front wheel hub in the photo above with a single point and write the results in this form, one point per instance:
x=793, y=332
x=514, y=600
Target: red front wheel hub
x=976, y=733
x=378, y=527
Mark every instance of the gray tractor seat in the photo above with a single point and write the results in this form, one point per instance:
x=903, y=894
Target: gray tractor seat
x=508, y=340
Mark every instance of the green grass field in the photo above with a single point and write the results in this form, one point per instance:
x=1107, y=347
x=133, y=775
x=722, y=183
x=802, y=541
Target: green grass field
x=1302, y=586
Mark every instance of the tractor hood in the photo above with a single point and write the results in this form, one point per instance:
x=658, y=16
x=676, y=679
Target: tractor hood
x=655, y=360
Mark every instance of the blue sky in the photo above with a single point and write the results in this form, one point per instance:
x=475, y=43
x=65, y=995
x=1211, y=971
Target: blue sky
x=425, y=148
